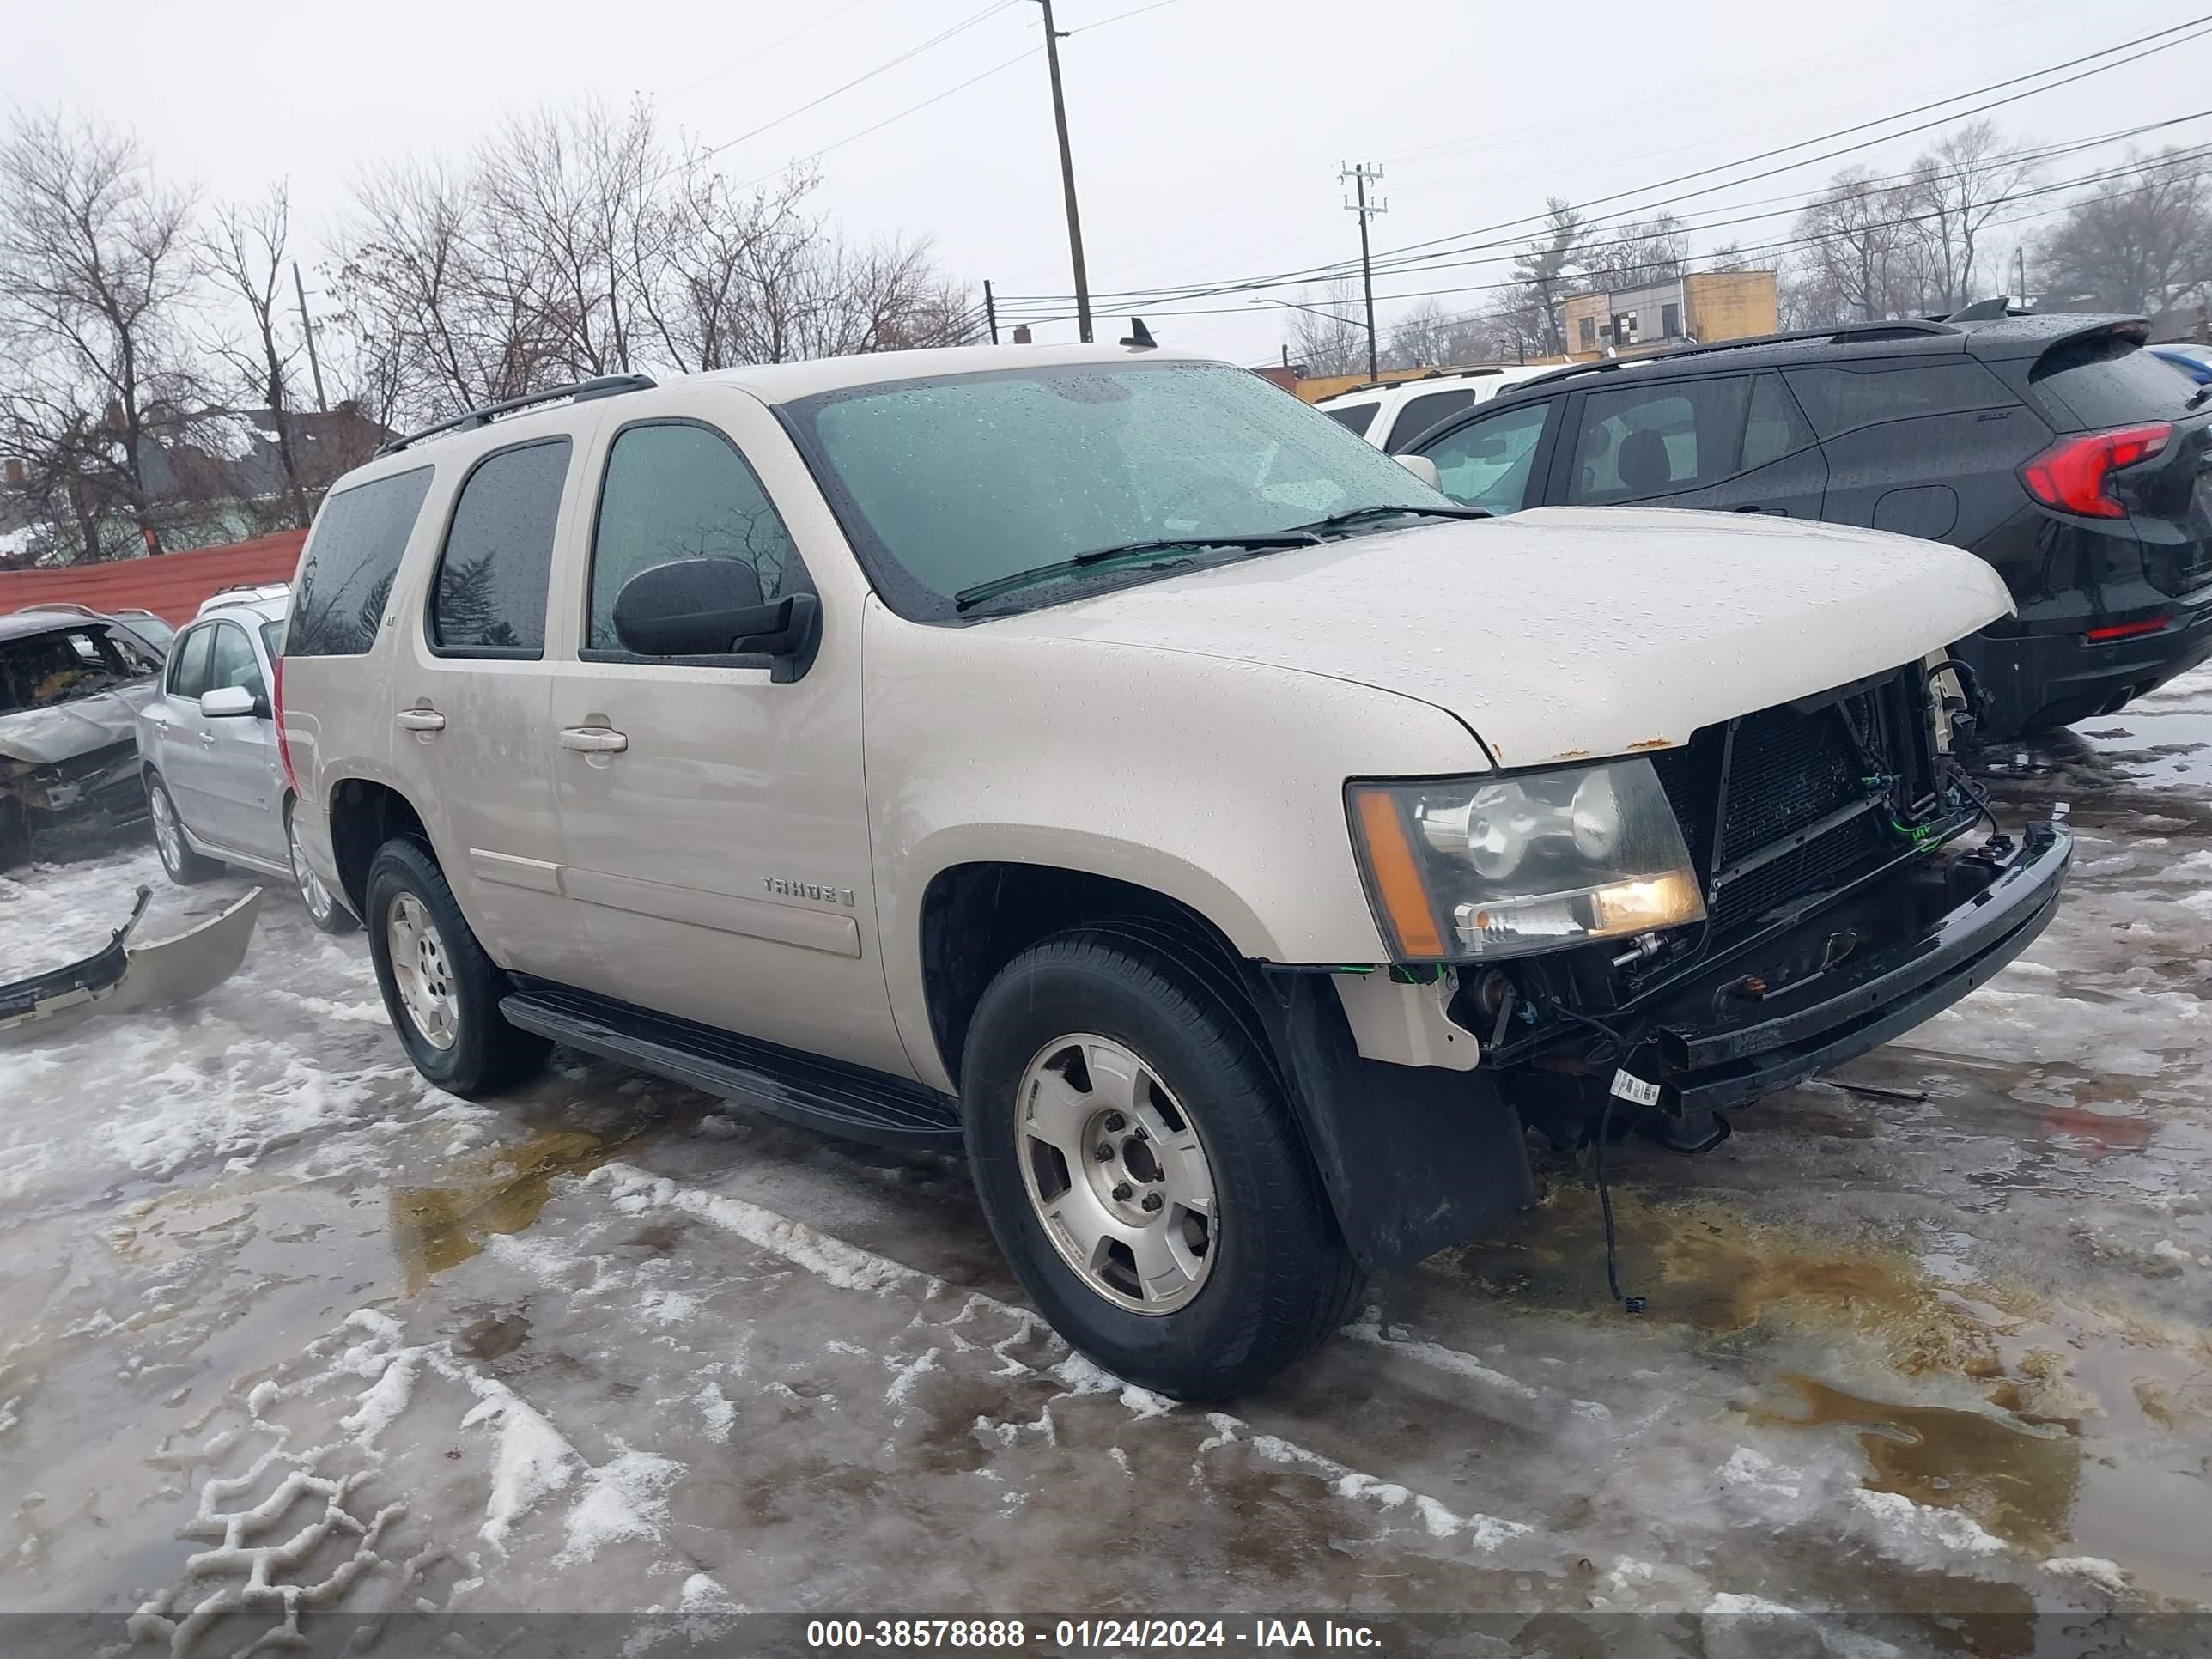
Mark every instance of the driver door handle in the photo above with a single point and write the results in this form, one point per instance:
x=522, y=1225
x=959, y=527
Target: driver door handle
x=594, y=739
x=421, y=719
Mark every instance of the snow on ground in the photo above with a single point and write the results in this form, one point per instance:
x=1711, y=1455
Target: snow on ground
x=286, y=1336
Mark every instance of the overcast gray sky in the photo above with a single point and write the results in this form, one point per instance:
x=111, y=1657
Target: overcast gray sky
x=1207, y=133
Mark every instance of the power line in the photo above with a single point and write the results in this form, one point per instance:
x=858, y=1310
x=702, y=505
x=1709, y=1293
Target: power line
x=1793, y=204
x=911, y=109
x=939, y=39
x=755, y=56
x=1400, y=258
x=2198, y=154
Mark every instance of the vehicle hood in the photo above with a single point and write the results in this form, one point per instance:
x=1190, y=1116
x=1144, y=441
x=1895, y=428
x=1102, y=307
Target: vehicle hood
x=67, y=730
x=1568, y=632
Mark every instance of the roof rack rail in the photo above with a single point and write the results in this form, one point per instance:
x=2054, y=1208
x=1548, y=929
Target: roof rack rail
x=1901, y=328
x=605, y=385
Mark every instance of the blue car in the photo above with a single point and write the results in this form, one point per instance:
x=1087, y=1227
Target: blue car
x=2194, y=361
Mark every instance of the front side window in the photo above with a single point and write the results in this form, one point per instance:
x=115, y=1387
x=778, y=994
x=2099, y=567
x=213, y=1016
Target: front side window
x=233, y=663
x=945, y=484
x=189, y=662
x=490, y=597
x=66, y=666
x=1652, y=440
x=1841, y=401
x=353, y=555
x=1421, y=413
x=1487, y=462
x=678, y=491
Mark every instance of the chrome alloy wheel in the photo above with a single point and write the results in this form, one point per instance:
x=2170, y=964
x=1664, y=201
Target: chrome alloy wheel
x=420, y=970
x=1115, y=1172
x=312, y=893
x=168, y=838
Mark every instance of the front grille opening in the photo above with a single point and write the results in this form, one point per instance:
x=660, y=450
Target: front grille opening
x=1786, y=770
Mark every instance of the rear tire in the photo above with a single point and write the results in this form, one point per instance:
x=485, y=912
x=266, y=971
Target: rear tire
x=440, y=991
x=186, y=867
x=1250, y=1271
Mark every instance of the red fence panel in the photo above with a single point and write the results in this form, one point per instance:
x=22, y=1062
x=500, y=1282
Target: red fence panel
x=172, y=585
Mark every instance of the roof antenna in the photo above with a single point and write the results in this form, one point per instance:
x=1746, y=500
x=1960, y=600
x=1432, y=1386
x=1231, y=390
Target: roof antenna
x=1139, y=336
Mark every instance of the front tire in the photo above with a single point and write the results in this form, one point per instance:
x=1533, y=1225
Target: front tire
x=1142, y=1171
x=440, y=991
x=186, y=867
x=321, y=905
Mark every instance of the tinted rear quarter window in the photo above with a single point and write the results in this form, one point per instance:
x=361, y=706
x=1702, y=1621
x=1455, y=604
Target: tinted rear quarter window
x=1419, y=413
x=1840, y=399
x=1354, y=417
x=2108, y=382
x=352, y=557
x=489, y=599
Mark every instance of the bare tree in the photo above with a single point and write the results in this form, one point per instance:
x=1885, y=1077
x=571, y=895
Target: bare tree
x=1958, y=188
x=1861, y=259
x=1635, y=254
x=1326, y=335
x=95, y=268
x=244, y=254
x=2139, y=241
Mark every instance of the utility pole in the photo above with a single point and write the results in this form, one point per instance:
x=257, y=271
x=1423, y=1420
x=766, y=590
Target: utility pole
x=307, y=327
x=1052, y=40
x=2019, y=266
x=991, y=311
x=1360, y=175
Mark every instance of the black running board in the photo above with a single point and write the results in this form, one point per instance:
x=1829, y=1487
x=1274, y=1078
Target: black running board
x=821, y=1094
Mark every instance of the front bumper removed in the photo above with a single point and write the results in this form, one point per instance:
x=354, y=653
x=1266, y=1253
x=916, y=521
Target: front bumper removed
x=122, y=977
x=1729, y=1043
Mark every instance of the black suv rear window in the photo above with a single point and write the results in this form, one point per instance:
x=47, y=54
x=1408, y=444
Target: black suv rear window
x=2108, y=382
x=352, y=557
x=1843, y=399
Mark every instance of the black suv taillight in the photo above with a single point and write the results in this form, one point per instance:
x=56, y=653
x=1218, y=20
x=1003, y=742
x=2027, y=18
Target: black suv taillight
x=2074, y=475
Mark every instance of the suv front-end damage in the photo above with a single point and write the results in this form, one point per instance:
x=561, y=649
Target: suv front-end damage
x=1674, y=934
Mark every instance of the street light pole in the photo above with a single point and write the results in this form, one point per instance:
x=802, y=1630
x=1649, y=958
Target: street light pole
x=1052, y=39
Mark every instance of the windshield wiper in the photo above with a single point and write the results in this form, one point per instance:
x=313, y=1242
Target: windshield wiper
x=2199, y=396
x=968, y=598
x=1361, y=514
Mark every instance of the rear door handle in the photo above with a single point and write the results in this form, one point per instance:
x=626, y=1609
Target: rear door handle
x=207, y=739
x=421, y=719
x=594, y=739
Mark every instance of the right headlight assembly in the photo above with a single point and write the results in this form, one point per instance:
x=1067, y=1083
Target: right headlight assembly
x=1465, y=869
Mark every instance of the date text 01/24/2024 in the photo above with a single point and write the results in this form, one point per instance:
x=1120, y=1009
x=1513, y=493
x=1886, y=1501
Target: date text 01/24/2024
x=1084, y=1635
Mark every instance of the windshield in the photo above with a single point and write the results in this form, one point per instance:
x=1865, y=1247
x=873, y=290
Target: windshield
x=67, y=664
x=947, y=484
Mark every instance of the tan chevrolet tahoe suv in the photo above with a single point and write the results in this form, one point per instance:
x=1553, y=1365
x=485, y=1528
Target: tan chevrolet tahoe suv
x=1097, y=758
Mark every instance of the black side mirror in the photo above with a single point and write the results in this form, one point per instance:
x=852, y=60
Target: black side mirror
x=713, y=608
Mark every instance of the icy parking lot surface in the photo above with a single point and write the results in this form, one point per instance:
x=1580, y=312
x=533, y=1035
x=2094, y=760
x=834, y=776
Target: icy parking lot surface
x=285, y=1334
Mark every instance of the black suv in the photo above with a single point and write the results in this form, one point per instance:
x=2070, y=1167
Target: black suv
x=2053, y=447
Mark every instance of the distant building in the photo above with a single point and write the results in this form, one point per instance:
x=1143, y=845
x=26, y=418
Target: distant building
x=1706, y=307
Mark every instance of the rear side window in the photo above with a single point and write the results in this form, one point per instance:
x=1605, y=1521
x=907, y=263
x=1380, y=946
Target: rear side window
x=1841, y=401
x=352, y=557
x=188, y=667
x=1419, y=413
x=678, y=491
x=489, y=598
x=1353, y=417
x=1650, y=440
x=2108, y=382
